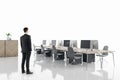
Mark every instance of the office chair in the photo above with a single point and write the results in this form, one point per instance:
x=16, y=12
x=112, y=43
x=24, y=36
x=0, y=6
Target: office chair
x=57, y=55
x=36, y=49
x=42, y=49
x=102, y=55
x=46, y=52
x=74, y=58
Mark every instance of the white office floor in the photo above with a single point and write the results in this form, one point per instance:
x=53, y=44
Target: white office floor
x=45, y=69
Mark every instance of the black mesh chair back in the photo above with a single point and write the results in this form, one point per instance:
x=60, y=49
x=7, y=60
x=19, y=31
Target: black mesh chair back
x=54, y=51
x=42, y=49
x=105, y=53
x=70, y=52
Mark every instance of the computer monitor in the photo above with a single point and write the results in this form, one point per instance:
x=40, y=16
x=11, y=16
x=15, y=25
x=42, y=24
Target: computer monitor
x=66, y=43
x=85, y=44
x=89, y=44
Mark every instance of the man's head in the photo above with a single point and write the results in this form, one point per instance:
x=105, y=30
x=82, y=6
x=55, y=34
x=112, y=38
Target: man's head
x=25, y=30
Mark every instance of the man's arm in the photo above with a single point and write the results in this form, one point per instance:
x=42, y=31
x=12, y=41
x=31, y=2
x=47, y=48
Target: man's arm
x=21, y=41
x=29, y=41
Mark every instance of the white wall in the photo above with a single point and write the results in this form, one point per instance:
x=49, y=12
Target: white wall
x=62, y=19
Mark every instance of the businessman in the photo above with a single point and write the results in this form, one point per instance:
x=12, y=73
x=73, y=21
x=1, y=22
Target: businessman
x=26, y=49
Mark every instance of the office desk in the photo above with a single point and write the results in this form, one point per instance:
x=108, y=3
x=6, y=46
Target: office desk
x=88, y=52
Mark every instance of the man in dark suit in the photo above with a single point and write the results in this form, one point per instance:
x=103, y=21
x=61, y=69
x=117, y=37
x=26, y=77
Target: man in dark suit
x=26, y=49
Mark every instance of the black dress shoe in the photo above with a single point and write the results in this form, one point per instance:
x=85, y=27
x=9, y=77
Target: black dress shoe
x=29, y=72
x=23, y=72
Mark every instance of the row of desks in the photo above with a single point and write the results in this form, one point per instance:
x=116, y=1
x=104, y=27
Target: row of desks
x=87, y=51
x=80, y=51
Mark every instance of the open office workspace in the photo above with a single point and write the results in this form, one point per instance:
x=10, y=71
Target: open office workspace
x=70, y=40
x=68, y=49
x=81, y=57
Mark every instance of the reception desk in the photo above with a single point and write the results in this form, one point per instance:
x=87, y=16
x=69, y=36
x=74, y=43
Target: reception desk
x=8, y=48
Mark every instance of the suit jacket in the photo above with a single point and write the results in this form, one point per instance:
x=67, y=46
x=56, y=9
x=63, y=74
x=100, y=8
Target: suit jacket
x=25, y=41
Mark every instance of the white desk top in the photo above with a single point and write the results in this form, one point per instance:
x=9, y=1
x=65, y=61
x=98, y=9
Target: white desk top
x=87, y=51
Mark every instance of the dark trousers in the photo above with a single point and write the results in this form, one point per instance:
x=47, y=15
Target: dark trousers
x=25, y=58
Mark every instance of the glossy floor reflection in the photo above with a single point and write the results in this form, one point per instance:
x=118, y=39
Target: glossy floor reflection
x=45, y=69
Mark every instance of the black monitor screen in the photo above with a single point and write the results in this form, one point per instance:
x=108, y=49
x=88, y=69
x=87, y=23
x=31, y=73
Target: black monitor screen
x=66, y=43
x=85, y=44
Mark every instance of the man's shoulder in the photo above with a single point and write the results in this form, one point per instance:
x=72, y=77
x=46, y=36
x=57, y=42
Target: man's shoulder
x=28, y=35
x=21, y=36
x=25, y=35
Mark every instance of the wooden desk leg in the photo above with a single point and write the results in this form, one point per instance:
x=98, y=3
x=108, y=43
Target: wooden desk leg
x=53, y=57
x=113, y=59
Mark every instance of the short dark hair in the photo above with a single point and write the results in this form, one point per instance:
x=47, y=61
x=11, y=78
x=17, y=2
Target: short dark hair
x=25, y=29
